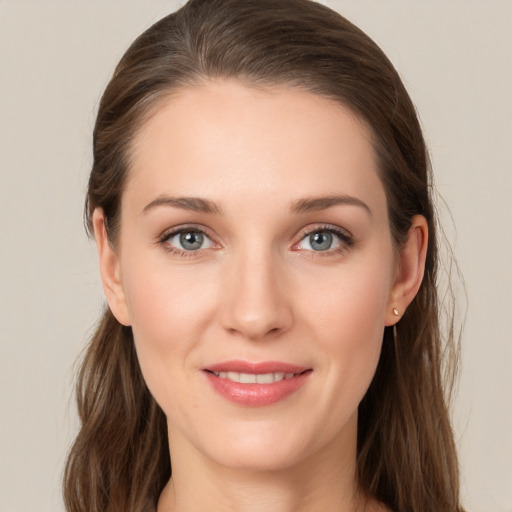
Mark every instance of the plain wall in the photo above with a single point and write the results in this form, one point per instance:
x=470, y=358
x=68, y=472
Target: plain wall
x=55, y=59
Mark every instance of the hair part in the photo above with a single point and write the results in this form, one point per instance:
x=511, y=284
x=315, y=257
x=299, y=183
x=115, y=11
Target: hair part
x=406, y=455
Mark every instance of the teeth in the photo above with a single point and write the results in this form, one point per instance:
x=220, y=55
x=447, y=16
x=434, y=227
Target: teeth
x=265, y=378
x=279, y=376
x=244, y=378
x=233, y=376
x=251, y=378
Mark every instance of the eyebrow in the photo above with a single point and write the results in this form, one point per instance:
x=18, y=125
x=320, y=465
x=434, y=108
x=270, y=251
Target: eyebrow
x=195, y=204
x=310, y=204
x=304, y=205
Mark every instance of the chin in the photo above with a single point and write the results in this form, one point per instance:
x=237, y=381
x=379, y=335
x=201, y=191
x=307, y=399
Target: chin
x=258, y=456
x=268, y=446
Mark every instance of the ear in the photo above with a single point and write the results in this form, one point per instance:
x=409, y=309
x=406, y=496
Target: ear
x=411, y=267
x=110, y=270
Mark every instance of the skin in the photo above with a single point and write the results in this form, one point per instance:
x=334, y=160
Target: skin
x=257, y=290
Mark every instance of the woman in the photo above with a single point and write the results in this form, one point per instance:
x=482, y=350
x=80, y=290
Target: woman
x=260, y=199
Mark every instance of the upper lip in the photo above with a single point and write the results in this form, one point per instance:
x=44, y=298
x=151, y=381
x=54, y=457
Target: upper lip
x=256, y=368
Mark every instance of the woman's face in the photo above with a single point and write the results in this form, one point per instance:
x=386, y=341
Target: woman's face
x=254, y=240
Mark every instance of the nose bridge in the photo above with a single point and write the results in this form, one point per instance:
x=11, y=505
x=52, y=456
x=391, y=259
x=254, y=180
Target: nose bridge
x=256, y=303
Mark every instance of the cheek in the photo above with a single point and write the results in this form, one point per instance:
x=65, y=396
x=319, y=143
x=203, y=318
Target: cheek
x=164, y=299
x=169, y=310
x=352, y=301
x=349, y=320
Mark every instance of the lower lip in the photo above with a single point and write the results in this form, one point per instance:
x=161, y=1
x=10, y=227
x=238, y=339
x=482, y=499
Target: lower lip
x=257, y=395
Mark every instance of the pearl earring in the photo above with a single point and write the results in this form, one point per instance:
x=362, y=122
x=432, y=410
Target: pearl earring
x=395, y=312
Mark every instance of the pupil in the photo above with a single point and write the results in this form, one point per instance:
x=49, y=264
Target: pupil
x=320, y=241
x=191, y=240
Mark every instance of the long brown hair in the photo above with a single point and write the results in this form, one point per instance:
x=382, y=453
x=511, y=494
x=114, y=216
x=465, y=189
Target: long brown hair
x=406, y=455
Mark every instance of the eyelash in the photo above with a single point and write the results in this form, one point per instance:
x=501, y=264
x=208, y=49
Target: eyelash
x=165, y=237
x=346, y=240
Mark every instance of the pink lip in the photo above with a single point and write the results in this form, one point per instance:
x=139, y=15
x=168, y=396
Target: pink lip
x=254, y=368
x=256, y=395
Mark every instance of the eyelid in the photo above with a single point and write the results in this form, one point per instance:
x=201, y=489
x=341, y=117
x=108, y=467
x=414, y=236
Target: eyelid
x=346, y=238
x=163, y=238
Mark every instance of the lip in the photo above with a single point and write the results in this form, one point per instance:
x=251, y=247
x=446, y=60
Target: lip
x=254, y=368
x=256, y=395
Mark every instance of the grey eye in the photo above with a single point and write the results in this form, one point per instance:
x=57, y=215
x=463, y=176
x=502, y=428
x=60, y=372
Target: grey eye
x=190, y=240
x=320, y=240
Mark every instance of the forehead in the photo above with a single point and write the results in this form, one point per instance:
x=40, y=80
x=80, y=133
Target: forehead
x=226, y=140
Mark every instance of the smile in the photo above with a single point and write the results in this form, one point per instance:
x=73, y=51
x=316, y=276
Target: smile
x=256, y=384
x=251, y=378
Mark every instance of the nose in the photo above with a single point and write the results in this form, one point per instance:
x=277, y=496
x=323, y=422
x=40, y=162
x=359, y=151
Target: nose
x=256, y=304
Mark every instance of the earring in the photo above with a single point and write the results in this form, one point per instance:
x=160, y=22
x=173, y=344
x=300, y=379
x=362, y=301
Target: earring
x=395, y=312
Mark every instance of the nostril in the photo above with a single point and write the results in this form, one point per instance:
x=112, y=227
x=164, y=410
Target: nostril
x=253, y=305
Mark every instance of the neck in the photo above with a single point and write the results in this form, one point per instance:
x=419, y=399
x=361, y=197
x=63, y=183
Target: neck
x=318, y=483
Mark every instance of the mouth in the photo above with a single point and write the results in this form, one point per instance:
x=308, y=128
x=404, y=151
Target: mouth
x=255, y=378
x=256, y=384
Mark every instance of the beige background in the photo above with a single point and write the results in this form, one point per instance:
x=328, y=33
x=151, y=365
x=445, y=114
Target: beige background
x=55, y=58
